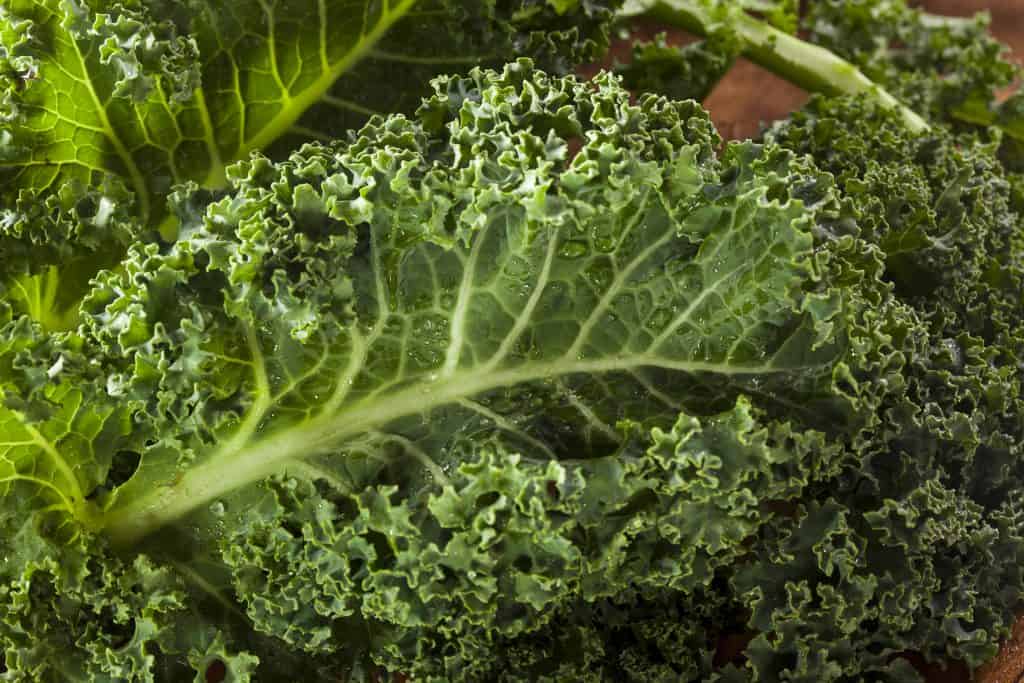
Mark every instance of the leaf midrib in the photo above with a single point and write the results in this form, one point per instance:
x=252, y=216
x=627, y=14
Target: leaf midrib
x=291, y=110
x=294, y=107
x=228, y=470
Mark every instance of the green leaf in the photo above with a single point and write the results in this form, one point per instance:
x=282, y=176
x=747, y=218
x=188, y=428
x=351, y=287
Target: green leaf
x=124, y=92
x=949, y=69
x=388, y=291
x=56, y=440
x=70, y=610
x=104, y=109
x=157, y=94
x=512, y=543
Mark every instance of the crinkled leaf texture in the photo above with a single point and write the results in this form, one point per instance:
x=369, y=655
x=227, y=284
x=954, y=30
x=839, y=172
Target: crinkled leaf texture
x=391, y=282
x=949, y=68
x=104, y=107
x=431, y=387
x=157, y=93
x=537, y=384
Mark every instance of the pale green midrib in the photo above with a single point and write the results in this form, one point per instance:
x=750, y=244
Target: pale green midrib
x=225, y=472
x=457, y=328
x=216, y=176
x=294, y=107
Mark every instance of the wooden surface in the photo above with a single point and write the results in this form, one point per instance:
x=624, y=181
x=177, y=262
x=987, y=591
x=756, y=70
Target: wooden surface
x=1008, y=667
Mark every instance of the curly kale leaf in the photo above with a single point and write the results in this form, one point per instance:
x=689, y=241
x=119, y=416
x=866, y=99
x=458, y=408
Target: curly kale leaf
x=460, y=267
x=105, y=107
x=372, y=314
x=515, y=545
x=158, y=93
x=913, y=548
x=538, y=383
x=951, y=70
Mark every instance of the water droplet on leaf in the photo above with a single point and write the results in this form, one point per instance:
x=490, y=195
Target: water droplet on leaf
x=573, y=249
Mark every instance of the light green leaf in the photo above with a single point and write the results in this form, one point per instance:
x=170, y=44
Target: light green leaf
x=104, y=108
x=121, y=91
x=57, y=441
x=157, y=93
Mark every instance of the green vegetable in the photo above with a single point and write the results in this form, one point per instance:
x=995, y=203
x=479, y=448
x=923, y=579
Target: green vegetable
x=526, y=379
x=104, y=107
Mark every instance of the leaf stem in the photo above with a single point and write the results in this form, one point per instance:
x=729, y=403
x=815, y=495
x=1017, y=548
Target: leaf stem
x=809, y=66
x=296, y=105
x=236, y=464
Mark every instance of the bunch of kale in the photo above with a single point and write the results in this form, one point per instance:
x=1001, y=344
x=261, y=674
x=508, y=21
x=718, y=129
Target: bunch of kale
x=525, y=378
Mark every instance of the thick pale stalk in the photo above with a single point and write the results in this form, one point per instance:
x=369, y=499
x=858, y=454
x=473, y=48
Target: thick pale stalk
x=809, y=66
x=245, y=462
